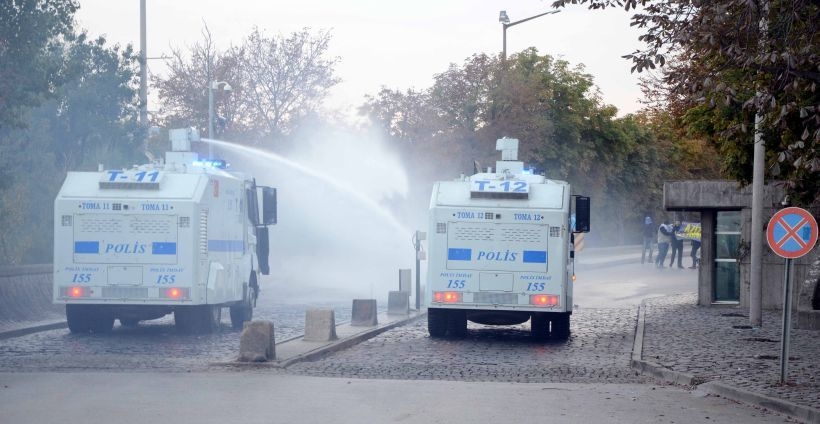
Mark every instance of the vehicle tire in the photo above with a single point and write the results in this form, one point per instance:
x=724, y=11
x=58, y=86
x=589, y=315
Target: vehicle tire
x=129, y=322
x=560, y=326
x=241, y=313
x=212, y=317
x=199, y=319
x=436, y=322
x=78, y=318
x=539, y=326
x=88, y=319
x=457, y=324
x=102, y=321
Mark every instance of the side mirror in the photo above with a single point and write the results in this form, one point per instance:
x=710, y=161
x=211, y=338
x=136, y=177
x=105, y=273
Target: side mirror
x=268, y=204
x=581, y=214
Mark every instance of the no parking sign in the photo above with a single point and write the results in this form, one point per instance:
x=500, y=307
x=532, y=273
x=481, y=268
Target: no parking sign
x=792, y=232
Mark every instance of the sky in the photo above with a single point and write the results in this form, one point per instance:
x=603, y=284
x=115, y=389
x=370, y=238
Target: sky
x=395, y=44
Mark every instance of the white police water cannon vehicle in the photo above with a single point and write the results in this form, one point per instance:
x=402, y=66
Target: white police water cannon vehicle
x=500, y=250
x=179, y=236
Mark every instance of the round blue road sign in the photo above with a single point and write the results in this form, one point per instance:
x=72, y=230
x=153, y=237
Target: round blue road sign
x=792, y=232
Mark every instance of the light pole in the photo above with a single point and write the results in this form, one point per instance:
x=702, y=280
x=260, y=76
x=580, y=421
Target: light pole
x=213, y=85
x=505, y=23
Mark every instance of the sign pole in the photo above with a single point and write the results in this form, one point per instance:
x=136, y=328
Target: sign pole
x=785, y=339
x=791, y=234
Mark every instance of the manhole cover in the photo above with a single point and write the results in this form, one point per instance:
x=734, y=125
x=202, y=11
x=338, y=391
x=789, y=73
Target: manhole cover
x=742, y=327
x=733, y=314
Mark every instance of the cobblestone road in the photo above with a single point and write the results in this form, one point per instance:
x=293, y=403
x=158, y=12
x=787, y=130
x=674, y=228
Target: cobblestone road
x=598, y=351
x=153, y=345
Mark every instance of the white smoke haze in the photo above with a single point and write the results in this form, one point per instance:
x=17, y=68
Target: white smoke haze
x=336, y=238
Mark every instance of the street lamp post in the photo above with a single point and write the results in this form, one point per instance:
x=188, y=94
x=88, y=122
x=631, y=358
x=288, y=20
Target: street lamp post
x=505, y=22
x=213, y=85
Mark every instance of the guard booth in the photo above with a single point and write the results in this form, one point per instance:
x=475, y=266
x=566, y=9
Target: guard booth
x=725, y=267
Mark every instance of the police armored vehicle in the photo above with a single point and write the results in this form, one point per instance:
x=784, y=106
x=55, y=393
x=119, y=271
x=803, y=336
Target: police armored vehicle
x=500, y=250
x=179, y=236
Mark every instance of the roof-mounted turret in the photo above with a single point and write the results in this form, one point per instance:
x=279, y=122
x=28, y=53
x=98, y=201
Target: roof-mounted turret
x=509, y=164
x=181, y=153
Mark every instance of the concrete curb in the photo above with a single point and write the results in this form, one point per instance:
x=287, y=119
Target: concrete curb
x=323, y=350
x=345, y=343
x=34, y=329
x=715, y=388
x=804, y=413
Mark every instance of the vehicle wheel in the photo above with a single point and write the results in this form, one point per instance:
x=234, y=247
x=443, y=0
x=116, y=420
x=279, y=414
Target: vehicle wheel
x=457, y=323
x=129, y=322
x=560, y=326
x=436, y=322
x=213, y=317
x=199, y=319
x=241, y=313
x=101, y=321
x=539, y=326
x=78, y=318
x=185, y=319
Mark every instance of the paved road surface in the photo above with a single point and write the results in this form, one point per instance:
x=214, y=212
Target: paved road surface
x=270, y=397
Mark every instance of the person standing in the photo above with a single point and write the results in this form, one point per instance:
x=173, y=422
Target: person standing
x=694, y=253
x=677, y=245
x=648, y=239
x=664, y=234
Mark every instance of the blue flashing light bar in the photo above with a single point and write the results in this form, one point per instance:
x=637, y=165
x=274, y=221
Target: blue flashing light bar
x=212, y=163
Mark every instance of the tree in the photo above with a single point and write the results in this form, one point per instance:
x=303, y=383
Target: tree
x=285, y=77
x=31, y=32
x=564, y=129
x=90, y=118
x=274, y=81
x=732, y=60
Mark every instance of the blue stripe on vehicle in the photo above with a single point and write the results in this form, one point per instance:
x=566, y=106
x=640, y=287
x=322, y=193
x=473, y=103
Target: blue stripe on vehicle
x=226, y=245
x=163, y=248
x=87, y=247
x=459, y=254
x=535, y=256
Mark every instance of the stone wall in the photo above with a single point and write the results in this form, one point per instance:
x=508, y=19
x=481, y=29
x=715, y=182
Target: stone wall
x=25, y=294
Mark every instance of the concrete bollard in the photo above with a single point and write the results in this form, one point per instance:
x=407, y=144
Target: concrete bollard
x=364, y=313
x=320, y=325
x=257, y=342
x=398, y=303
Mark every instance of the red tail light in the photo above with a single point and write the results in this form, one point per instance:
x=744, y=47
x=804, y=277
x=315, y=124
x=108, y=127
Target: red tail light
x=447, y=297
x=76, y=291
x=546, y=300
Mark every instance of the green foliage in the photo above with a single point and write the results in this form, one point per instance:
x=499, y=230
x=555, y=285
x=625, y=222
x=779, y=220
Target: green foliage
x=86, y=117
x=728, y=61
x=30, y=66
x=564, y=129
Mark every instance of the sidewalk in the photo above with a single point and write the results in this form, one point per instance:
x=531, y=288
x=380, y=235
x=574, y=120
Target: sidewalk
x=716, y=350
